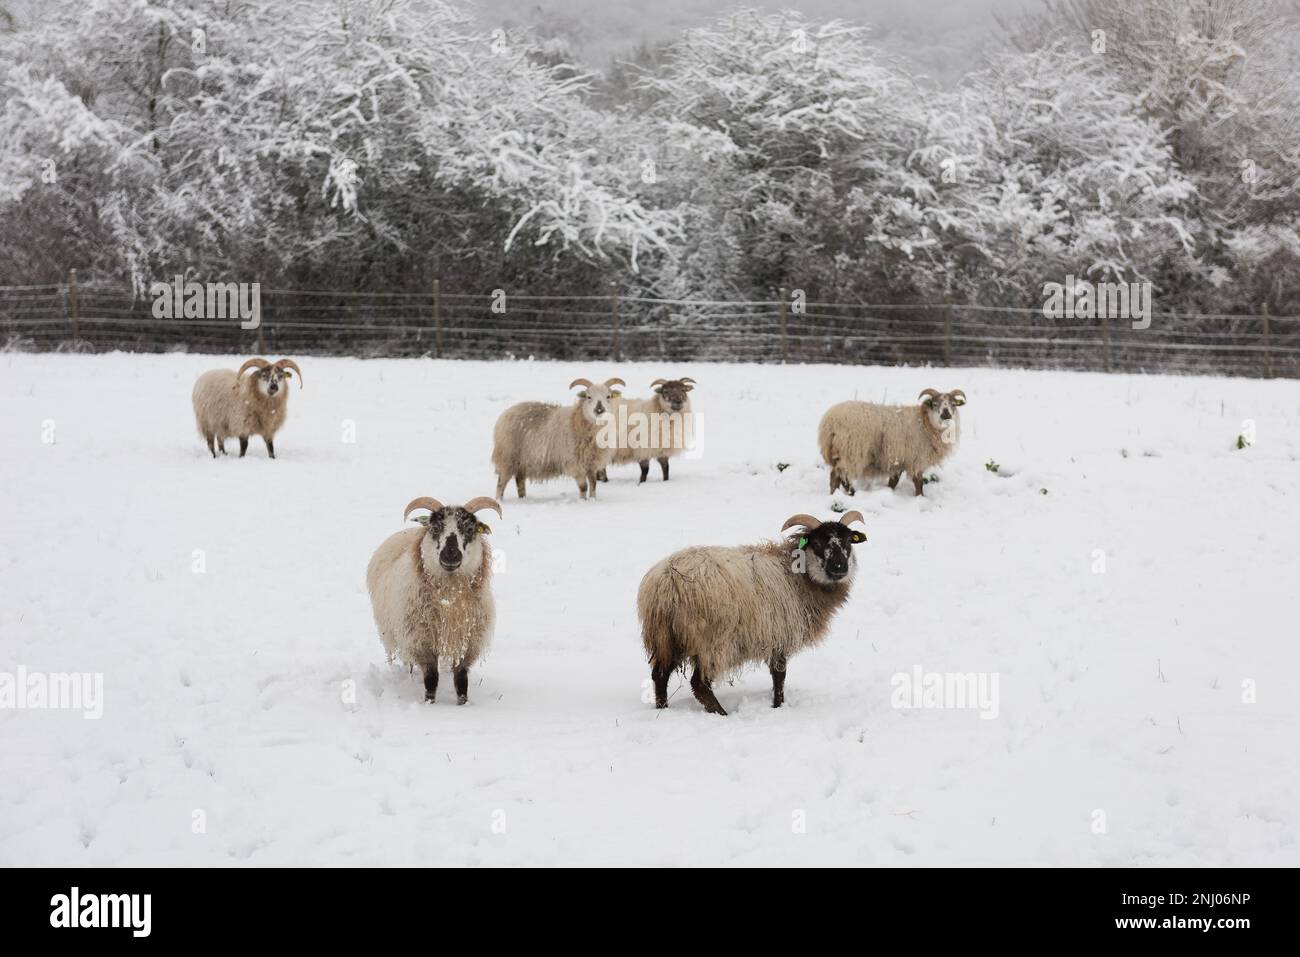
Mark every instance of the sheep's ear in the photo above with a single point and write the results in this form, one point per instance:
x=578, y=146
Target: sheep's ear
x=928, y=403
x=614, y=393
x=689, y=387
x=659, y=390
x=958, y=400
x=484, y=528
x=857, y=538
x=288, y=374
x=423, y=519
x=584, y=394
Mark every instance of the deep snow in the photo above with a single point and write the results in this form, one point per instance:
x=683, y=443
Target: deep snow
x=224, y=691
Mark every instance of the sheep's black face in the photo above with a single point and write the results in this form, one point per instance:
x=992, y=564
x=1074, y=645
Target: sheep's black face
x=828, y=553
x=673, y=397
x=454, y=536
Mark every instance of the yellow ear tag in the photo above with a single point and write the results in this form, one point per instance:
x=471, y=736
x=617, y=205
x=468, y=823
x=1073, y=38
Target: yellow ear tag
x=484, y=529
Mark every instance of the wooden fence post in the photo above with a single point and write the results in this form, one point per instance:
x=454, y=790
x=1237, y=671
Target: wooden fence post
x=1105, y=340
x=261, y=325
x=1268, y=346
x=613, y=305
x=947, y=331
x=437, y=318
x=74, y=305
x=785, y=349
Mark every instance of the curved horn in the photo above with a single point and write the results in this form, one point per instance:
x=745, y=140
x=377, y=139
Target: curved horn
x=585, y=383
x=256, y=362
x=687, y=378
x=955, y=393
x=480, y=503
x=609, y=383
x=280, y=364
x=424, y=501
x=658, y=382
x=849, y=518
x=807, y=521
x=930, y=392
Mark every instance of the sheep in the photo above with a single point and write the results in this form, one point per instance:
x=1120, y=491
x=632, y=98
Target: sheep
x=542, y=440
x=862, y=440
x=226, y=404
x=723, y=607
x=655, y=428
x=431, y=594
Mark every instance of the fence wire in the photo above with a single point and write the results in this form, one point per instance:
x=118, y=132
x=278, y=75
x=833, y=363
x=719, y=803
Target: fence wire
x=95, y=317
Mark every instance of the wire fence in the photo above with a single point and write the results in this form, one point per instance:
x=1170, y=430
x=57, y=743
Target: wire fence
x=95, y=317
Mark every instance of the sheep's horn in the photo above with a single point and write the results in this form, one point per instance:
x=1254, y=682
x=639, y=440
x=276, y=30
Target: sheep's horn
x=432, y=504
x=807, y=521
x=482, y=502
x=957, y=392
x=933, y=392
x=848, y=518
x=610, y=382
x=658, y=382
x=687, y=378
x=280, y=364
x=258, y=363
x=585, y=383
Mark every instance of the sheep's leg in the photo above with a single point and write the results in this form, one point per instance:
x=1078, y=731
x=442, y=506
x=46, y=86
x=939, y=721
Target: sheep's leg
x=660, y=673
x=603, y=475
x=243, y=445
x=221, y=444
x=460, y=676
x=663, y=464
x=919, y=482
x=212, y=444
x=519, y=486
x=270, y=445
x=893, y=479
x=582, y=487
x=645, y=470
x=591, y=485
x=835, y=481
x=430, y=679
x=777, y=666
x=704, y=693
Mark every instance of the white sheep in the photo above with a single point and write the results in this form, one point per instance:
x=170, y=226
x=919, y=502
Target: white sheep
x=542, y=440
x=864, y=440
x=430, y=591
x=227, y=404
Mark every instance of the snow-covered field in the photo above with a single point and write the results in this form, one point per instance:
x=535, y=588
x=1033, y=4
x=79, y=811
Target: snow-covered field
x=1162, y=692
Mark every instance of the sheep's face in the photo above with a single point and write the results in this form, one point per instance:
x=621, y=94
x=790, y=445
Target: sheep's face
x=597, y=403
x=941, y=409
x=672, y=396
x=453, y=542
x=827, y=553
x=273, y=382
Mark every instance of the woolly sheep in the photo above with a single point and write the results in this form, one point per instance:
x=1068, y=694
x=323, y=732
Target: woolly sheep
x=659, y=427
x=542, y=440
x=722, y=607
x=864, y=440
x=430, y=591
x=227, y=404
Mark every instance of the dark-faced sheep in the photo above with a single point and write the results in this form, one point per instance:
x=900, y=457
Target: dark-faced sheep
x=864, y=440
x=229, y=404
x=723, y=607
x=659, y=427
x=542, y=440
x=430, y=591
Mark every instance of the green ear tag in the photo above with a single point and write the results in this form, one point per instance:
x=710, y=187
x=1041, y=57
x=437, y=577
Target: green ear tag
x=803, y=542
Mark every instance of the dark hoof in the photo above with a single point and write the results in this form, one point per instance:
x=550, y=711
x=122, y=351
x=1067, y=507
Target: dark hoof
x=718, y=710
x=661, y=704
x=462, y=699
x=429, y=696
